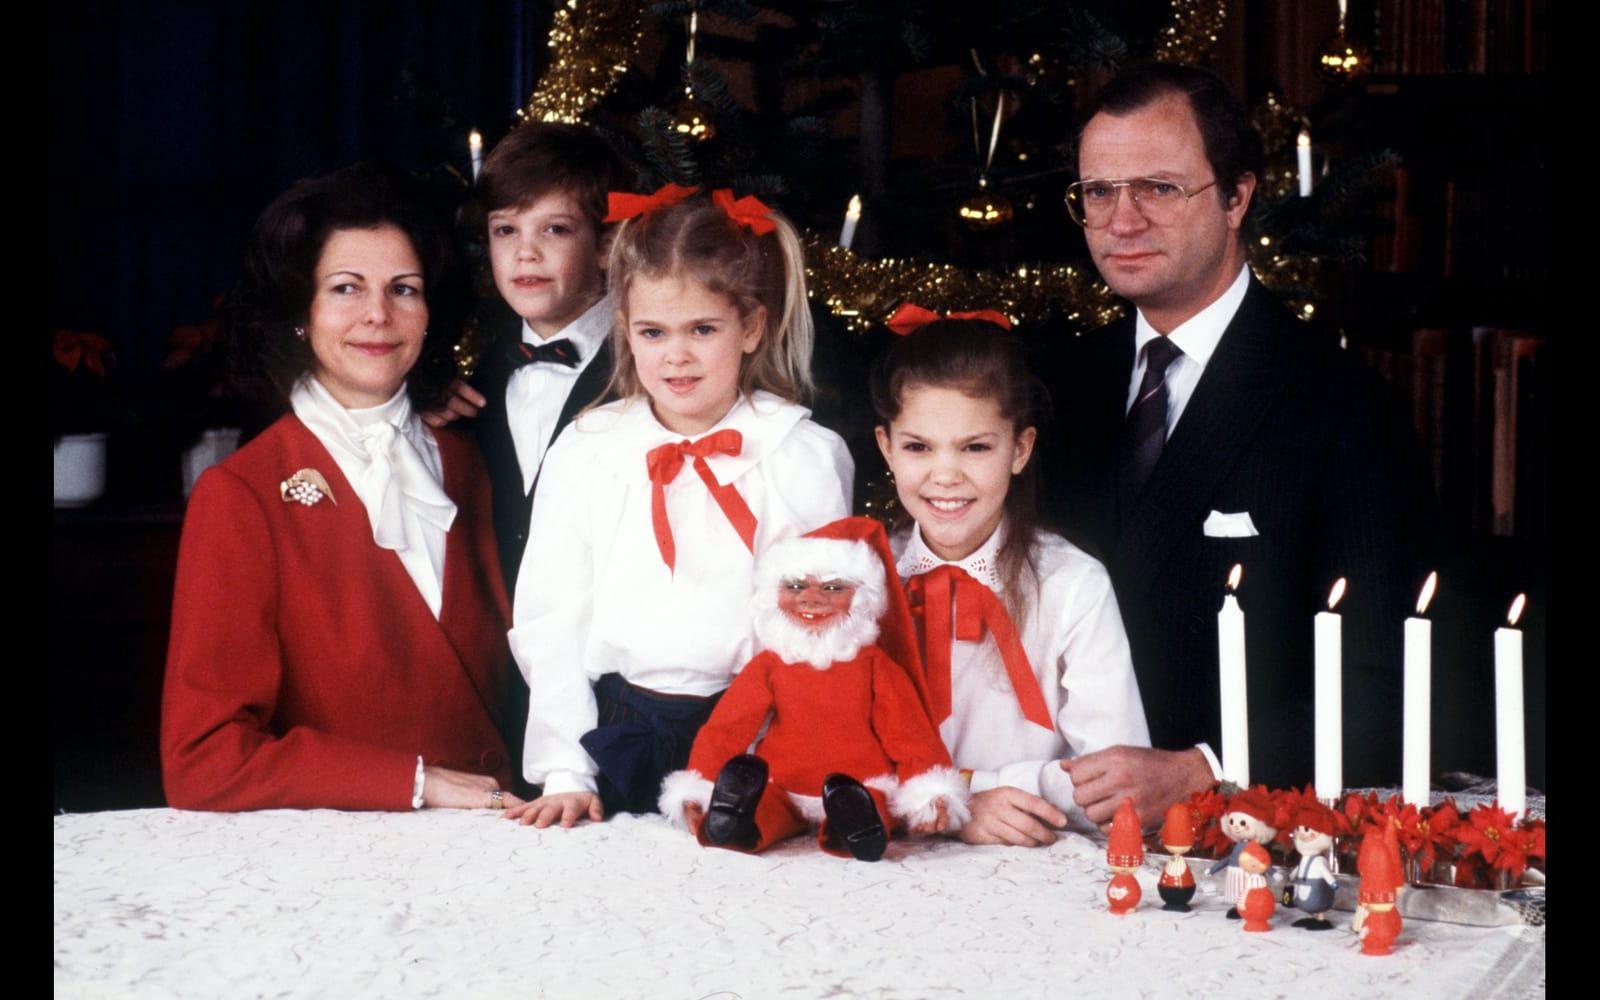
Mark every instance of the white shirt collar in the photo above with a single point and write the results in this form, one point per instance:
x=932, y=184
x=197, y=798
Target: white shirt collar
x=626, y=429
x=587, y=332
x=1197, y=337
x=983, y=564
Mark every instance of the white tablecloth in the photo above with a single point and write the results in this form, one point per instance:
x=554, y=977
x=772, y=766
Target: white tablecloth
x=161, y=903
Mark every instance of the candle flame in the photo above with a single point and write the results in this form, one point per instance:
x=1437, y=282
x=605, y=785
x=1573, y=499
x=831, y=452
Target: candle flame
x=474, y=140
x=1303, y=140
x=1235, y=575
x=1427, y=591
x=1336, y=593
x=1516, y=609
x=854, y=211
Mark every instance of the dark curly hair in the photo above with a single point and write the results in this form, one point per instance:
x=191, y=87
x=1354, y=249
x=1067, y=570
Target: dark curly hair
x=266, y=358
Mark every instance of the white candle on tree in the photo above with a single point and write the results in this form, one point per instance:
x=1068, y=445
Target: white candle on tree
x=852, y=215
x=1509, y=747
x=1328, y=689
x=1231, y=686
x=1302, y=151
x=475, y=147
x=1415, y=769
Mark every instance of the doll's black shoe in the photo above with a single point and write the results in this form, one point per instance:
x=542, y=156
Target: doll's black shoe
x=731, y=816
x=1313, y=924
x=1233, y=913
x=853, y=817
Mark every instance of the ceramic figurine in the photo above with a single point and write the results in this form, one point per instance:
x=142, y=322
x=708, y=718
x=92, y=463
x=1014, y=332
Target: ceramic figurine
x=1176, y=885
x=1377, y=921
x=1255, y=901
x=1124, y=853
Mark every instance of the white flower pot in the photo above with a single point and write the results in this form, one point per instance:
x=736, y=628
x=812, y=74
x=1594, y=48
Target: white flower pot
x=214, y=445
x=80, y=469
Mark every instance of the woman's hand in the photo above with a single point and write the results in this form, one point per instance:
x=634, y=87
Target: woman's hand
x=567, y=807
x=1008, y=815
x=443, y=788
x=692, y=817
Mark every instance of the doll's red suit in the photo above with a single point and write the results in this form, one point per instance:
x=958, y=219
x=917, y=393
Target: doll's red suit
x=850, y=699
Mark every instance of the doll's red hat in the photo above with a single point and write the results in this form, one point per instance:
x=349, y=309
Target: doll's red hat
x=1177, y=829
x=1126, y=846
x=1378, y=863
x=1252, y=803
x=1315, y=816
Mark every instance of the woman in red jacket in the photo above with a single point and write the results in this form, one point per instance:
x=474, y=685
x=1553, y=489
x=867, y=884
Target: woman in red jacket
x=339, y=622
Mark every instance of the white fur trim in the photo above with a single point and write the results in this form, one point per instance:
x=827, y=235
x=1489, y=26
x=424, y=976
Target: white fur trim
x=810, y=806
x=682, y=787
x=797, y=644
x=915, y=801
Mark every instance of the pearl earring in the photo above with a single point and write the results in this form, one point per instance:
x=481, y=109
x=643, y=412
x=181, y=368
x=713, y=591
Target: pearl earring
x=300, y=332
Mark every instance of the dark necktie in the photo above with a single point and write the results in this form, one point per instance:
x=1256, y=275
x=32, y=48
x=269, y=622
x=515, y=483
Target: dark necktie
x=1146, y=429
x=557, y=352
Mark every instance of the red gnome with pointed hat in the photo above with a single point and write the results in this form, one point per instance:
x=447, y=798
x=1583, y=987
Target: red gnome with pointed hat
x=1176, y=885
x=1124, y=853
x=850, y=744
x=1255, y=902
x=1378, y=863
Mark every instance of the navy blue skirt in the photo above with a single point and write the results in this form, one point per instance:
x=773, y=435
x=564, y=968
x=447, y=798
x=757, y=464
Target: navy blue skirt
x=641, y=738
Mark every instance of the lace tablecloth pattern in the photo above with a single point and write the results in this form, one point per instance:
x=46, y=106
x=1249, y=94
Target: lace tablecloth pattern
x=447, y=903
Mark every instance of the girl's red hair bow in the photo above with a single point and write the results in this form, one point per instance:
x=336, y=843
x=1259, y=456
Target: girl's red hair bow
x=622, y=205
x=910, y=317
x=747, y=211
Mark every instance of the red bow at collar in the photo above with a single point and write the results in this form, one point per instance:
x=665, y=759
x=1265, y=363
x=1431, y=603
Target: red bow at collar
x=933, y=596
x=911, y=317
x=665, y=462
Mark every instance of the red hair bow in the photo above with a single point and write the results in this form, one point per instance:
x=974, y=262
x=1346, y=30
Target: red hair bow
x=622, y=205
x=747, y=211
x=910, y=317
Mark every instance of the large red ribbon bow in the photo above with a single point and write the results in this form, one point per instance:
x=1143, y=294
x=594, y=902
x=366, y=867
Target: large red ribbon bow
x=910, y=317
x=937, y=594
x=622, y=205
x=747, y=211
x=665, y=462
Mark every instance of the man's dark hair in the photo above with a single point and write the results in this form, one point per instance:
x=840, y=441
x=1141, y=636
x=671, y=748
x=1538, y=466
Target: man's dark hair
x=540, y=157
x=1232, y=144
x=266, y=356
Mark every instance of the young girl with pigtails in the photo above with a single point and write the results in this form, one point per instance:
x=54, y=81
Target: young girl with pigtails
x=631, y=607
x=1026, y=658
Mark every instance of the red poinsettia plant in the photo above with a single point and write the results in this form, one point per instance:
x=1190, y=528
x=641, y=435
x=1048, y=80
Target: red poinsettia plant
x=82, y=384
x=1494, y=835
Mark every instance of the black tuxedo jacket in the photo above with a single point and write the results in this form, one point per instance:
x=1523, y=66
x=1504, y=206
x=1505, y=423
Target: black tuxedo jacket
x=1299, y=434
x=512, y=506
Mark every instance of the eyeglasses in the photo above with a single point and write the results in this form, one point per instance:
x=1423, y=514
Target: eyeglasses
x=1091, y=202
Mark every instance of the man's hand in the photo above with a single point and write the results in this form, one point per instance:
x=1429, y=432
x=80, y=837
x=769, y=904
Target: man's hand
x=1154, y=779
x=464, y=401
x=1008, y=815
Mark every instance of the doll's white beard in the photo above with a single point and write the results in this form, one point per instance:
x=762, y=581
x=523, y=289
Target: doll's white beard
x=821, y=649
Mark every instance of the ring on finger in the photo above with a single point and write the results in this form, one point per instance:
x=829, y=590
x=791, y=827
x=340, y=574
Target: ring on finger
x=497, y=799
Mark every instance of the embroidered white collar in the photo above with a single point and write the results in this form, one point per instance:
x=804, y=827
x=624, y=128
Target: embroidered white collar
x=982, y=565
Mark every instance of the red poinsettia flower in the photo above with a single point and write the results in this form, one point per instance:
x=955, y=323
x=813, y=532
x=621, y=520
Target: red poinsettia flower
x=1286, y=805
x=1426, y=832
x=1513, y=853
x=1353, y=813
x=1388, y=812
x=1484, y=832
x=1207, y=806
x=1535, y=828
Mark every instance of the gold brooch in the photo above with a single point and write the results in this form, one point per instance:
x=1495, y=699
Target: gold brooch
x=306, y=486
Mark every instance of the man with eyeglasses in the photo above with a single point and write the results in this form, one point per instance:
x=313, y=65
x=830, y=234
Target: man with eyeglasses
x=1209, y=428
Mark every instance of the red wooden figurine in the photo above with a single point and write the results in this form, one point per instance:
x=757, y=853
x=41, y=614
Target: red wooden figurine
x=1176, y=885
x=1377, y=920
x=1255, y=900
x=1124, y=853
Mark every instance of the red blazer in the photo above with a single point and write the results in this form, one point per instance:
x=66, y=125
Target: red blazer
x=305, y=669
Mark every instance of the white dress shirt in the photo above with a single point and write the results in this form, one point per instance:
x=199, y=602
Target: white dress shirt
x=392, y=463
x=535, y=393
x=594, y=596
x=1196, y=337
x=1075, y=642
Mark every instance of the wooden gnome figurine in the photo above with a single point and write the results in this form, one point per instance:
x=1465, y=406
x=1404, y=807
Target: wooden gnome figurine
x=851, y=744
x=1176, y=886
x=1248, y=819
x=1124, y=853
x=1255, y=901
x=1312, y=884
x=1377, y=921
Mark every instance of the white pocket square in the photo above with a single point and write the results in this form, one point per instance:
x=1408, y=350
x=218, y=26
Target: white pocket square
x=1220, y=525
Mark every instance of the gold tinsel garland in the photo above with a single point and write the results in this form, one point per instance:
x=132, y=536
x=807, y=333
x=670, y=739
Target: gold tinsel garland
x=863, y=290
x=590, y=44
x=1192, y=32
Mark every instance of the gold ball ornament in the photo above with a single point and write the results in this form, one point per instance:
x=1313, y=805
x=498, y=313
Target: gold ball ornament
x=693, y=120
x=1344, y=59
x=985, y=209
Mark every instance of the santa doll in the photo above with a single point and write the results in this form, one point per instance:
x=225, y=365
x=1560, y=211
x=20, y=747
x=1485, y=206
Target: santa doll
x=1248, y=819
x=1124, y=853
x=1176, y=885
x=850, y=744
x=1255, y=896
x=1378, y=863
x=1312, y=885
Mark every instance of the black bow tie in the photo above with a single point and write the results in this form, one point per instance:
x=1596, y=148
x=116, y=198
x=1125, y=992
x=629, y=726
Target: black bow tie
x=557, y=352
